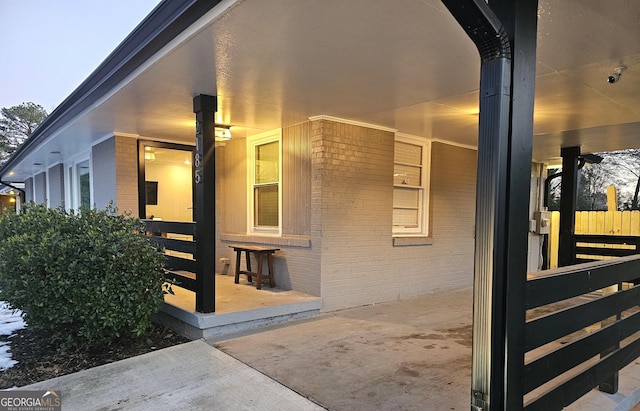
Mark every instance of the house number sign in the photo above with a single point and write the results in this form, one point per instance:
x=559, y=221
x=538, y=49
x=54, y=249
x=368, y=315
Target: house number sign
x=197, y=161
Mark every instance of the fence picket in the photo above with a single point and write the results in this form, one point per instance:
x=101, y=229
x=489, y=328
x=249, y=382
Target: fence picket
x=635, y=222
x=626, y=223
x=608, y=223
x=600, y=221
x=595, y=222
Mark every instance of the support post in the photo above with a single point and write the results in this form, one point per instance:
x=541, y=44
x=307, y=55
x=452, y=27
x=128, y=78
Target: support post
x=520, y=20
x=505, y=35
x=568, y=191
x=204, y=165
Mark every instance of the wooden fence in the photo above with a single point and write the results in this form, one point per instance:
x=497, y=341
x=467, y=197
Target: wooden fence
x=609, y=223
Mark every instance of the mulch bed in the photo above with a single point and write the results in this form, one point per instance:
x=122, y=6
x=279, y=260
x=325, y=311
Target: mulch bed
x=39, y=358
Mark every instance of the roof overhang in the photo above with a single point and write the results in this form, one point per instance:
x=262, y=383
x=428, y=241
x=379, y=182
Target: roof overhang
x=410, y=68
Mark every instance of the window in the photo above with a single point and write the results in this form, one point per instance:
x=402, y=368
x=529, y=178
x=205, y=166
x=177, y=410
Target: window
x=264, y=158
x=410, y=186
x=78, y=185
x=84, y=184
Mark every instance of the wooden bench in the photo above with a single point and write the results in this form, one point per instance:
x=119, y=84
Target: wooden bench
x=260, y=254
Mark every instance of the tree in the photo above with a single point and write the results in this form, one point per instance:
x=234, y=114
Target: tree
x=17, y=123
x=627, y=164
x=619, y=168
x=592, y=188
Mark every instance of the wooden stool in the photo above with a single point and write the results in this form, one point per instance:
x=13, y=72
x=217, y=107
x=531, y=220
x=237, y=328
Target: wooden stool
x=260, y=253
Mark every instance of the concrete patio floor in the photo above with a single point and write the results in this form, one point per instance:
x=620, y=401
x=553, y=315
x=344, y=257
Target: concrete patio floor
x=404, y=355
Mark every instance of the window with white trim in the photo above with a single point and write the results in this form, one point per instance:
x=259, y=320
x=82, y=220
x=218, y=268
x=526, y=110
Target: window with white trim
x=78, y=184
x=411, y=186
x=264, y=156
x=83, y=184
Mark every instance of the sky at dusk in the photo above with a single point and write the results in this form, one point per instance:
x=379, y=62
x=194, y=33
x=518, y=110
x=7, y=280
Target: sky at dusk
x=49, y=47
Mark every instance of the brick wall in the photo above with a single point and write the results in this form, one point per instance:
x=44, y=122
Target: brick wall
x=448, y=262
x=103, y=173
x=353, y=214
x=115, y=173
x=126, y=158
x=297, y=266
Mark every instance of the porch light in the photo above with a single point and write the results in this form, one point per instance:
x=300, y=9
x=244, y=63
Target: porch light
x=222, y=133
x=149, y=154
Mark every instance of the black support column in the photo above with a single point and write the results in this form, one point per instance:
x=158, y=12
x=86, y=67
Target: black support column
x=204, y=176
x=504, y=32
x=568, y=200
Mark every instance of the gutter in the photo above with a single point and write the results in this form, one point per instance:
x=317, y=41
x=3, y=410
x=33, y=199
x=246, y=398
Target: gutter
x=483, y=28
x=165, y=22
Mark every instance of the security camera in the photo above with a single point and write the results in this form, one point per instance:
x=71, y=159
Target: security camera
x=615, y=76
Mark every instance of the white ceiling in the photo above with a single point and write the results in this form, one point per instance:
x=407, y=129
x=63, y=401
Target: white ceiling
x=403, y=64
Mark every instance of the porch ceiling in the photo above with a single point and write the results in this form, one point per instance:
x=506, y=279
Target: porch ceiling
x=404, y=64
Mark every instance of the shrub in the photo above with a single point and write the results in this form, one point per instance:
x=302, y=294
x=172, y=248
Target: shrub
x=89, y=277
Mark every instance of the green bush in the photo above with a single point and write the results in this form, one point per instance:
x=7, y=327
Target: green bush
x=88, y=277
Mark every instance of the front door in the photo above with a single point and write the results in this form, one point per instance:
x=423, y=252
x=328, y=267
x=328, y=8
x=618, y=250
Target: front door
x=167, y=189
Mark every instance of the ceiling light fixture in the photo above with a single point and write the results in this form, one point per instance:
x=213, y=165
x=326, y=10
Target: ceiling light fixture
x=222, y=132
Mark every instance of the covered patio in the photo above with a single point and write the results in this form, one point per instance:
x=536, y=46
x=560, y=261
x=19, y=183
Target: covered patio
x=488, y=94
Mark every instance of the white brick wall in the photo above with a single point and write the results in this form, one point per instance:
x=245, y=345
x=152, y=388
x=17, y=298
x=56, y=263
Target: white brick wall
x=127, y=174
x=355, y=166
x=360, y=265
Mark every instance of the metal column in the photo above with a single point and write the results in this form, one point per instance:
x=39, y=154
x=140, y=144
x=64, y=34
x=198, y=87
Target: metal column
x=204, y=177
x=505, y=35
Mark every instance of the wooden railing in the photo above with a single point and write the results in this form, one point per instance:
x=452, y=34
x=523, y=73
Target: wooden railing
x=177, y=239
x=592, y=247
x=572, y=343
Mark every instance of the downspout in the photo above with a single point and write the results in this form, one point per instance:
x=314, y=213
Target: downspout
x=489, y=351
x=505, y=36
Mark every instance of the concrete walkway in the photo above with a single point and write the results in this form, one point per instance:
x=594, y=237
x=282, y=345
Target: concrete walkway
x=405, y=355
x=191, y=376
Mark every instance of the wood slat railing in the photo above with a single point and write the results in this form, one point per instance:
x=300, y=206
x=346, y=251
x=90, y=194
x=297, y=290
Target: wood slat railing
x=572, y=342
x=177, y=241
